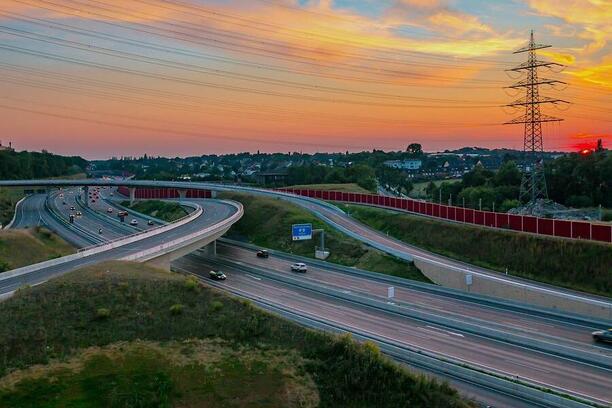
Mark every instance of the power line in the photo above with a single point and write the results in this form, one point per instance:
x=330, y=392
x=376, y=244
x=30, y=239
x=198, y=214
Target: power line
x=223, y=43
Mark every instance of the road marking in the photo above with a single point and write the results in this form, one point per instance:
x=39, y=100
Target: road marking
x=253, y=277
x=446, y=331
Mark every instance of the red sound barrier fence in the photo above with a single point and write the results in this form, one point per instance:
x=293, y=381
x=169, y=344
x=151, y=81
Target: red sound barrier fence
x=541, y=226
x=163, y=193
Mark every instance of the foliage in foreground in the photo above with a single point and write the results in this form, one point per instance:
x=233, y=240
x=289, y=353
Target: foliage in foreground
x=53, y=320
x=267, y=222
x=148, y=374
x=576, y=265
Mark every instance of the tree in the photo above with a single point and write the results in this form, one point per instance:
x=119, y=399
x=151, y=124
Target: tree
x=415, y=149
x=508, y=175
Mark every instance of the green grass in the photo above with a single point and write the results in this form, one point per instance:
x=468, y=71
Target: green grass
x=418, y=189
x=148, y=374
x=267, y=223
x=8, y=198
x=55, y=322
x=348, y=187
x=167, y=211
x=25, y=247
x=583, y=266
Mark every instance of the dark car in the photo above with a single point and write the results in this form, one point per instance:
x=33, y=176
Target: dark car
x=605, y=336
x=262, y=253
x=217, y=275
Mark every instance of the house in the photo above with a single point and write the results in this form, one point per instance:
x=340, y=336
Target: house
x=409, y=164
x=271, y=177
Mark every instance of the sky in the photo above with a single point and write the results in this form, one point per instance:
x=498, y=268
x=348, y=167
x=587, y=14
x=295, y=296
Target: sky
x=102, y=78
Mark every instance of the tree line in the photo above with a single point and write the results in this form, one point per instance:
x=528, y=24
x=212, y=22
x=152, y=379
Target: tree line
x=574, y=180
x=28, y=165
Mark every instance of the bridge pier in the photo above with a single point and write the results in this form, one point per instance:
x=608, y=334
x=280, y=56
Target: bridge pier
x=210, y=249
x=132, y=191
x=86, y=196
x=182, y=194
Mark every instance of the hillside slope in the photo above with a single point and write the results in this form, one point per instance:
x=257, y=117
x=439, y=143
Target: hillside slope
x=230, y=346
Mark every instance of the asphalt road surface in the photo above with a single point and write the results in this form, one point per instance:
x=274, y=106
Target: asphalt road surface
x=546, y=369
x=214, y=212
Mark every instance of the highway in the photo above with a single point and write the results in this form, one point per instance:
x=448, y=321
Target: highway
x=214, y=212
x=545, y=369
x=340, y=220
x=265, y=280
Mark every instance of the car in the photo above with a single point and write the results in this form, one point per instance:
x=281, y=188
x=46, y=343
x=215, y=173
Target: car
x=109, y=210
x=111, y=194
x=78, y=213
x=63, y=203
x=217, y=275
x=604, y=336
x=299, y=267
x=150, y=222
x=72, y=208
x=134, y=222
x=122, y=214
x=262, y=253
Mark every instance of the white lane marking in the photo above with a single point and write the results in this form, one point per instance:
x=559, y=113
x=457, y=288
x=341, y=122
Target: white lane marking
x=446, y=331
x=253, y=277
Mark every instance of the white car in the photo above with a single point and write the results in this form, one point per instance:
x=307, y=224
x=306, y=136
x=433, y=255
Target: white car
x=133, y=222
x=299, y=267
x=109, y=210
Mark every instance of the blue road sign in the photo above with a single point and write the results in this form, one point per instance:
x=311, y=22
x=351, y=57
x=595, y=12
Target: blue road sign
x=301, y=232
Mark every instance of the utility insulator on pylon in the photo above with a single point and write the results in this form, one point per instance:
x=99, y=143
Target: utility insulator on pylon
x=533, y=185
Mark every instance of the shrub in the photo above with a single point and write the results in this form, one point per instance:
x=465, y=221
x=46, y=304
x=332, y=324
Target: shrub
x=216, y=305
x=192, y=283
x=103, y=313
x=176, y=309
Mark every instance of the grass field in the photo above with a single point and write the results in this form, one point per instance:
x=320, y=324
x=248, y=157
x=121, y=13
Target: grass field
x=8, y=198
x=163, y=210
x=348, y=187
x=25, y=247
x=578, y=265
x=129, y=335
x=267, y=223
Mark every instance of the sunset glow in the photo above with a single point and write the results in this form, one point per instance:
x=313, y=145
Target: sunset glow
x=105, y=78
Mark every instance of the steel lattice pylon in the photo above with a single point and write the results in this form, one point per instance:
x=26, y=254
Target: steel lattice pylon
x=533, y=184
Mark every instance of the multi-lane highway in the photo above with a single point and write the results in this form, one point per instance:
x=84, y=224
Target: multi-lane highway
x=547, y=369
x=358, y=303
x=214, y=212
x=338, y=219
x=266, y=280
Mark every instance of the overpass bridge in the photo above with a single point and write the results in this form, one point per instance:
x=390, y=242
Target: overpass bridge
x=442, y=270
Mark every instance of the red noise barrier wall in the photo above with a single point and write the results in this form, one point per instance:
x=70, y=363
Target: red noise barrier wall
x=541, y=226
x=163, y=193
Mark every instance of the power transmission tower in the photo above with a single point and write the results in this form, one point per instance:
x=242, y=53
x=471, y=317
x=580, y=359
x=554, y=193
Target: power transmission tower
x=533, y=184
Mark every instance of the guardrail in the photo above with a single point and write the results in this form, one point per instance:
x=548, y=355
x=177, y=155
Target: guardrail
x=535, y=393
x=221, y=226
x=467, y=324
x=17, y=204
x=100, y=248
x=509, y=222
x=179, y=222
x=434, y=289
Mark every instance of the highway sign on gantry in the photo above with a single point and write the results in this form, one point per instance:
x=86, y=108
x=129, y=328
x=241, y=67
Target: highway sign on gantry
x=300, y=232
